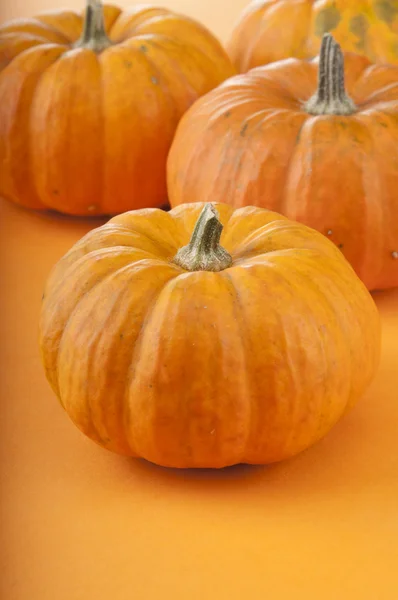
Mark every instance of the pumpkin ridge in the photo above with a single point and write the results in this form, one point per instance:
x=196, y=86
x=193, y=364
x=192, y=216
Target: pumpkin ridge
x=134, y=360
x=377, y=212
x=37, y=71
x=256, y=35
x=35, y=42
x=285, y=278
x=309, y=280
x=9, y=27
x=163, y=82
x=160, y=244
x=92, y=357
x=160, y=321
x=94, y=288
x=48, y=183
x=135, y=13
x=282, y=202
x=180, y=47
x=239, y=310
x=338, y=296
x=68, y=40
x=273, y=228
x=97, y=254
x=56, y=282
x=93, y=345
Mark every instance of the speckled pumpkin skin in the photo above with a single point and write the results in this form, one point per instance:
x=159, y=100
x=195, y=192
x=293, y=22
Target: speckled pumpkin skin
x=251, y=142
x=251, y=364
x=88, y=133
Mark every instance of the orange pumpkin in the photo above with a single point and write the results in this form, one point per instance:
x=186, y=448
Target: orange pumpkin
x=207, y=351
x=89, y=104
x=329, y=160
x=271, y=30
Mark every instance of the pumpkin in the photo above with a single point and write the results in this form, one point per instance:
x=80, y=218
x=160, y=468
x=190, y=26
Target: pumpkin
x=207, y=336
x=89, y=104
x=319, y=153
x=272, y=30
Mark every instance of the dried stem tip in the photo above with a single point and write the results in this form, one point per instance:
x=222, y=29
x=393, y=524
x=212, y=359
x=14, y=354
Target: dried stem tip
x=204, y=253
x=94, y=35
x=331, y=97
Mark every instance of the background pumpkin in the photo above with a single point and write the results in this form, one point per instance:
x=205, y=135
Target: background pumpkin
x=192, y=354
x=86, y=119
x=329, y=160
x=271, y=30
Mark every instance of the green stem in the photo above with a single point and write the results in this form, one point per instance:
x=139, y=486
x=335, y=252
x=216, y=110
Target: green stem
x=94, y=35
x=331, y=97
x=204, y=253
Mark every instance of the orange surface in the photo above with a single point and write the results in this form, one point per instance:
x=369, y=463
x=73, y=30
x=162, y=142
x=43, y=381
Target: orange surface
x=78, y=523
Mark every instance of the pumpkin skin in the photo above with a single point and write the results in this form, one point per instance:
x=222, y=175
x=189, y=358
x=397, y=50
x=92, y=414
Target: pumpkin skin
x=272, y=30
x=250, y=364
x=86, y=130
x=251, y=141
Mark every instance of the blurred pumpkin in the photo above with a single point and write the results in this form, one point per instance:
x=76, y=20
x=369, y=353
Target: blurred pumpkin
x=165, y=340
x=271, y=30
x=89, y=104
x=328, y=160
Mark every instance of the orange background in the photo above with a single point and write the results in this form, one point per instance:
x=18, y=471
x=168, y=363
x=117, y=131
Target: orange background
x=78, y=523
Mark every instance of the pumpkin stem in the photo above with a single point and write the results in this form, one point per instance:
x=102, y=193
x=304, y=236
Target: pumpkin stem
x=331, y=97
x=204, y=253
x=94, y=35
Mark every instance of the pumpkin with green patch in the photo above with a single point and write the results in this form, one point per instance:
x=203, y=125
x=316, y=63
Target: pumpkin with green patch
x=272, y=30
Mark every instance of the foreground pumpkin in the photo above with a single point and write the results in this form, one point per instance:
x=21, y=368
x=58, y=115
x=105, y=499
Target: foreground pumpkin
x=89, y=106
x=271, y=30
x=327, y=159
x=164, y=342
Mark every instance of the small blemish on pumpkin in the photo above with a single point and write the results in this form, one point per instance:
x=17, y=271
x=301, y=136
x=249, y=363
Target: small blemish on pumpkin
x=244, y=128
x=42, y=296
x=128, y=64
x=341, y=246
x=394, y=254
x=55, y=192
x=212, y=432
x=155, y=80
x=359, y=27
x=144, y=48
x=327, y=20
x=227, y=114
x=91, y=208
x=329, y=232
x=121, y=336
x=386, y=10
